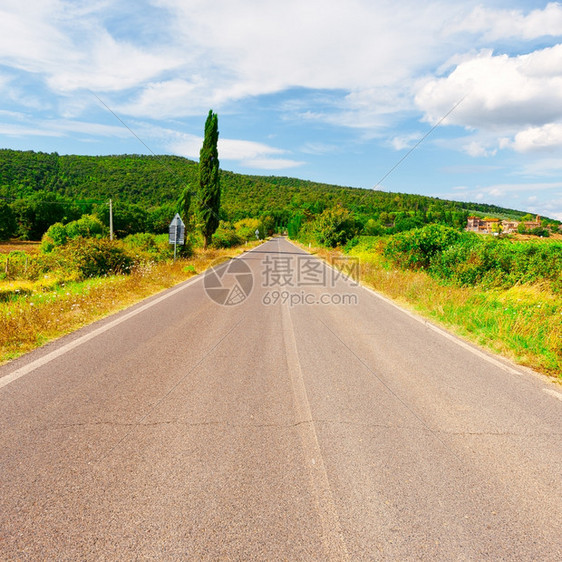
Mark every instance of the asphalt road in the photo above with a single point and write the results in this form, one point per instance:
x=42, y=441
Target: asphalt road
x=311, y=421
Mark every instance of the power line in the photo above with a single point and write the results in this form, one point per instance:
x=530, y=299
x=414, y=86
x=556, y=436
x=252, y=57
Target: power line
x=420, y=141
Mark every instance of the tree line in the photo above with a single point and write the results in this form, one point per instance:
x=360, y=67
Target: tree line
x=39, y=189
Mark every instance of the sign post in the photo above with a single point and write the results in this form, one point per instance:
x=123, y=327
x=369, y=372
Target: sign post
x=177, y=233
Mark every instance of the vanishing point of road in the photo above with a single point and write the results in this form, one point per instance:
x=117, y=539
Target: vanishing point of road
x=306, y=419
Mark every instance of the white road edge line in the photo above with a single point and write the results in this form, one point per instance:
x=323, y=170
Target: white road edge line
x=433, y=327
x=332, y=536
x=30, y=367
x=554, y=393
x=26, y=369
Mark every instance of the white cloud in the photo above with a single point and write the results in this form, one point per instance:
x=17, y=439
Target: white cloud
x=501, y=24
x=68, y=45
x=405, y=141
x=542, y=167
x=511, y=102
x=545, y=198
x=364, y=50
x=475, y=149
x=538, y=138
x=24, y=126
x=271, y=163
x=248, y=153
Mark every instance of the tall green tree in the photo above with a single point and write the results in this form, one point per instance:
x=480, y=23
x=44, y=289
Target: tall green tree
x=209, y=184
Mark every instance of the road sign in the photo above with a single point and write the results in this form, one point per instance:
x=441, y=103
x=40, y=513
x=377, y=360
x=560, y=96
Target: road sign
x=257, y=233
x=177, y=231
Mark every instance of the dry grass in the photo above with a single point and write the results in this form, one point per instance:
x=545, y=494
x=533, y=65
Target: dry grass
x=32, y=320
x=21, y=246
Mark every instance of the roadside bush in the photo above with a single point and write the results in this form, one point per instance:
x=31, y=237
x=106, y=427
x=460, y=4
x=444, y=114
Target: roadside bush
x=93, y=257
x=498, y=263
x=225, y=236
x=334, y=227
x=246, y=229
x=156, y=247
x=88, y=226
x=414, y=249
x=56, y=235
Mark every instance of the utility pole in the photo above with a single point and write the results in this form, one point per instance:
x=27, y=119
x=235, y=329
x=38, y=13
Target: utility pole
x=110, y=219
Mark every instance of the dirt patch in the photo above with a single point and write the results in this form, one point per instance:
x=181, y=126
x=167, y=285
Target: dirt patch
x=20, y=246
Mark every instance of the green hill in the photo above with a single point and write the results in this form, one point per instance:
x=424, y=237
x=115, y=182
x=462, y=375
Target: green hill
x=149, y=185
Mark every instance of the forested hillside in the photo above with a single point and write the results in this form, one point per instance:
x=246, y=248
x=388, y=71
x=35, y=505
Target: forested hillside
x=38, y=189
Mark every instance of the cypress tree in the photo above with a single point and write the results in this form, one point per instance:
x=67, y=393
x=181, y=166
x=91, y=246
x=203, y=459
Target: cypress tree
x=209, y=185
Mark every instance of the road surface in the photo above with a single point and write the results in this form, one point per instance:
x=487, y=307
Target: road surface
x=313, y=420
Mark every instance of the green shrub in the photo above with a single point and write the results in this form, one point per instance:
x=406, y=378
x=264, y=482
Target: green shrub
x=334, y=227
x=490, y=262
x=95, y=257
x=415, y=249
x=88, y=226
x=156, y=247
x=58, y=234
x=225, y=236
x=246, y=229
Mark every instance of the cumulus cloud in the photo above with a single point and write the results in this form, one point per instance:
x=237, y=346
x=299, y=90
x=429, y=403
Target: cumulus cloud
x=475, y=149
x=513, y=102
x=501, y=91
x=548, y=136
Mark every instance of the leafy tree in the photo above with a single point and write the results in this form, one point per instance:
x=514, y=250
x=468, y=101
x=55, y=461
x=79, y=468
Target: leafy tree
x=127, y=218
x=7, y=221
x=159, y=219
x=334, y=227
x=373, y=228
x=225, y=236
x=246, y=228
x=209, y=184
x=35, y=214
x=266, y=226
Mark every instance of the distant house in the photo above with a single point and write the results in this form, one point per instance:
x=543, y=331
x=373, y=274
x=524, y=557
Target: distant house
x=509, y=227
x=483, y=226
x=490, y=226
x=529, y=225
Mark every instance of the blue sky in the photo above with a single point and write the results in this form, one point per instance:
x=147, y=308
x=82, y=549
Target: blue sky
x=332, y=91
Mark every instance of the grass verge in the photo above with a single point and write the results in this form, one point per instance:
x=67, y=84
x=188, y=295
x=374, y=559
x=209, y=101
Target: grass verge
x=523, y=323
x=36, y=317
